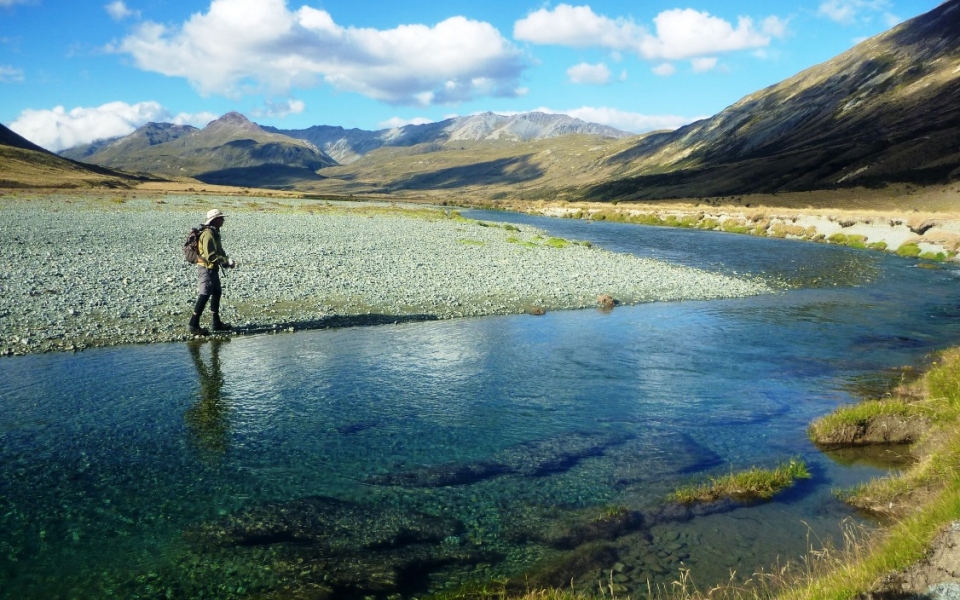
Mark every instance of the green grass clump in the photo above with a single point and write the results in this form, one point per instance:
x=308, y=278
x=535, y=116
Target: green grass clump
x=555, y=242
x=852, y=240
x=881, y=245
x=708, y=223
x=515, y=240
x=735, y=226
x=647, y=219
x=937, y=256
x=754, y=483
x=837, y=238
x=469, y=242
x=909, y=250
x=857, y=415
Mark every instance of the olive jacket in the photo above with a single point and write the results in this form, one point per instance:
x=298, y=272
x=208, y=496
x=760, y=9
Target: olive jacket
x=210, y=252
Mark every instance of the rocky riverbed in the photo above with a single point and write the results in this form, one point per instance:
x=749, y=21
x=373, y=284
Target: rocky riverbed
x=105, y=269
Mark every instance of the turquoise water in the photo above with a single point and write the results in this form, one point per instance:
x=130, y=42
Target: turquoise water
x=408, y=458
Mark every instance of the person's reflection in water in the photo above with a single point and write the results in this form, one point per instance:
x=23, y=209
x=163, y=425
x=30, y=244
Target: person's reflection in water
x=207, y=418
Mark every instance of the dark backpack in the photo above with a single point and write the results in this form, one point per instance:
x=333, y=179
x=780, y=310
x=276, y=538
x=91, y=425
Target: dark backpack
x=190, y=251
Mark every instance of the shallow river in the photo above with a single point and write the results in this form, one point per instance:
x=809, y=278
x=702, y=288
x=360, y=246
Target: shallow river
x=400, y=459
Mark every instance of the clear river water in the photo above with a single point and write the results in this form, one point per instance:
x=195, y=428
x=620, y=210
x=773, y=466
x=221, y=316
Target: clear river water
x=396, y=460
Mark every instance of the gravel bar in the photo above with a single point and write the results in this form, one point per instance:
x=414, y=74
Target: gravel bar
x=86, y=271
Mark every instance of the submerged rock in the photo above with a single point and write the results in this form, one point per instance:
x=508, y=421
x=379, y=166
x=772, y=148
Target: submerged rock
x=334, y=524
x=532, y=459
x=322, y=547
x=606, y=527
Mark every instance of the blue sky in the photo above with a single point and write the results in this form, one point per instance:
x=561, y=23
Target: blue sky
x=73, y=71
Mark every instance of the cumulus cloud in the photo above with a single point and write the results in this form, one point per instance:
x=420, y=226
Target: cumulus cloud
x=10, y=74
x=850, y=12
x=623, y=120
x=578, y=26
x=241, y=46
x=280, y=109
x=58, y=128
x=585, y=73
x=679, y=33
x=118, y=11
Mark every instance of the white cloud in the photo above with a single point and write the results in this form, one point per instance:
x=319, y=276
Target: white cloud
x=59, y=128
x=680, y=33
x=849, y=12
x=623, y=120
x=395, y=122
x=686, y=33
x=241, y=46
x=12, y=2
x=585, y=73
x=118, y=11
x=281, y=109
x=664, y=69
x=702, y=65
x=9, y=74
x=578, y=26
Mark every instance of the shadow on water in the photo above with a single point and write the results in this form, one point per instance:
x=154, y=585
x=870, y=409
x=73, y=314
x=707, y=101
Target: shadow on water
x=335, y=322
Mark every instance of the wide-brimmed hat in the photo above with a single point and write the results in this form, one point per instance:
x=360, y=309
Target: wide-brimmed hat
x=213, y=213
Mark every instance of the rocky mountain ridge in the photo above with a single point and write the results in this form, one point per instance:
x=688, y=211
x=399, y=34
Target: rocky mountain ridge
x=230, y=150
x=347, y=145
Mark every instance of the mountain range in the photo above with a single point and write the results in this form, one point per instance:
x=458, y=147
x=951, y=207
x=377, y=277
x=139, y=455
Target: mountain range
x=347, y=145
x=233, y=150
x=883, y=112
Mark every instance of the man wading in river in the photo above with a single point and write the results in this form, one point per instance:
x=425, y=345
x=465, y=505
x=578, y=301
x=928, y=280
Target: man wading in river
x=211, y=258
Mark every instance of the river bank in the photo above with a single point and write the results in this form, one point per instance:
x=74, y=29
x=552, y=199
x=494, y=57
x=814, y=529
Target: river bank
x=100, y=269
x=926, y=234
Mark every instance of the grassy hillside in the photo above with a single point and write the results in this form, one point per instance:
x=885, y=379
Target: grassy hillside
x=25, y=164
